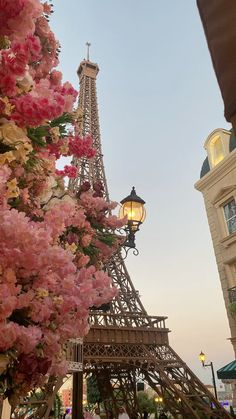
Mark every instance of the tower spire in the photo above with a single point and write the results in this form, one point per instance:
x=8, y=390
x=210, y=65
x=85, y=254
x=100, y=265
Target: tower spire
x=88, y=44
x=91, y=170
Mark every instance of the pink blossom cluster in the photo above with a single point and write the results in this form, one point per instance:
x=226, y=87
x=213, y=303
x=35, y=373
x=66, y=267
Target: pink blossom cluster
x=81, y=147
x=14, y=65
x=73, y=146
x=45, y=298
x=70, y=171
x=52, y=244
x=40, y=105
x=18, y=18
x=59, y=293
x=50, y=48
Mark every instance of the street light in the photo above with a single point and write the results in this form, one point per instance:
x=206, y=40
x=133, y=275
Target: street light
x=159, y=401
x=132, y=208
x=74, y=356
x=202, y=358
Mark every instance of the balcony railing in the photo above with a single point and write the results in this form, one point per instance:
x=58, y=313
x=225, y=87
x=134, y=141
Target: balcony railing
x=74, y=354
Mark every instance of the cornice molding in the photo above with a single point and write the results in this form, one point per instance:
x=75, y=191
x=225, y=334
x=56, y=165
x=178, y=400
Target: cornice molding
x=217, y=172
x=223, y=193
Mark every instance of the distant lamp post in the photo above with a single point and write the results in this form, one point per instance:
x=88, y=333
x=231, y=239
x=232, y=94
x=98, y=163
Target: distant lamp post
x=132, y=208
x=202, y=358
x=159, y=401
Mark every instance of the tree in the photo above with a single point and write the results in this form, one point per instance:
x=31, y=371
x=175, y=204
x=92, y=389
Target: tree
x=57, y=405
x=145, y=403
x=53, y=244
x=93, y=393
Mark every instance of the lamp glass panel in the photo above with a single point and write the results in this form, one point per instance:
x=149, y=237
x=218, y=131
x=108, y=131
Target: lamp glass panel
x=202, y=357
x=134, y=211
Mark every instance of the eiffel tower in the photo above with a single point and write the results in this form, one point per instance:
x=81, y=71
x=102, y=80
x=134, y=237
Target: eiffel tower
x=124, y=343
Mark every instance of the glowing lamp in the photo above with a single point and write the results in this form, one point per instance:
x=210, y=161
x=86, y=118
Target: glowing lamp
x=158, y=399
x=133, y=208
x=202, y=357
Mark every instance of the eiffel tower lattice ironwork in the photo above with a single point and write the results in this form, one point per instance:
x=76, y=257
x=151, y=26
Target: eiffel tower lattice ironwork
x=125, y=343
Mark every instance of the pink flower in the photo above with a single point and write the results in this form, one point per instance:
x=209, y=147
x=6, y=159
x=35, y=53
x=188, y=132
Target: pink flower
x=7, y=84
x=34, y=47
x=57, y=217
x=41, y=311
x=16, y=58
x=18, y=17
x=55, y=78
x=86, y=240
x=23, y=300
x=28, y=339
x=42, y=27
x=114, y=222
x=70, y=95
x=9, y=332
x=29, y=364
x=59, y=368
x=47, y=8
x=25, y=195
x=9, y=11
x=70, y=171
x=51, y=342
x=5, y=173
x=83, y=261
x=7, y=306
x=81, y=147
x=72, y=238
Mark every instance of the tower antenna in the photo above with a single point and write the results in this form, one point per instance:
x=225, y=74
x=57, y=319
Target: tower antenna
x=88, y=44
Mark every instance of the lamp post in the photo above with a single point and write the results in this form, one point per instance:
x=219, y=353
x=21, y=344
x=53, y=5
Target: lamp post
x=132, y=208
x=159, y=401
x=202, y=358
x=75, y=363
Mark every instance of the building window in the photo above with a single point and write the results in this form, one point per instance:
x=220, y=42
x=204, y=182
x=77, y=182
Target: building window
x=216, y=150
x=230, y=215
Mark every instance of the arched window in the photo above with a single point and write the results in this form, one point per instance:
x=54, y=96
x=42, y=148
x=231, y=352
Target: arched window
x=216, y=149
x=217, y=146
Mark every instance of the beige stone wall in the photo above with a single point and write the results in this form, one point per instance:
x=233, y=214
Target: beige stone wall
x=6, y=410
x=218, y=186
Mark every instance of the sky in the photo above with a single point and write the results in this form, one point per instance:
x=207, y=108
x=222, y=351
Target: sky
x=158, y=101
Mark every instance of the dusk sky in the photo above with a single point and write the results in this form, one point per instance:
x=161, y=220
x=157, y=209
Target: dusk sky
x=158, y=101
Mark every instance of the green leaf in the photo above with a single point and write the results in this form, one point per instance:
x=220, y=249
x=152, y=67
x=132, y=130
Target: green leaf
x=62, y=120
x=107, y=238
x=14, y=202
x=90, y=250
x=37, y=135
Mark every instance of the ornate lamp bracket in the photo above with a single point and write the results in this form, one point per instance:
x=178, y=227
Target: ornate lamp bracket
x=133, y=209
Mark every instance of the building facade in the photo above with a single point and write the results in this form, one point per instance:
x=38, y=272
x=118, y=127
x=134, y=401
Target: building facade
x=218, y=185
